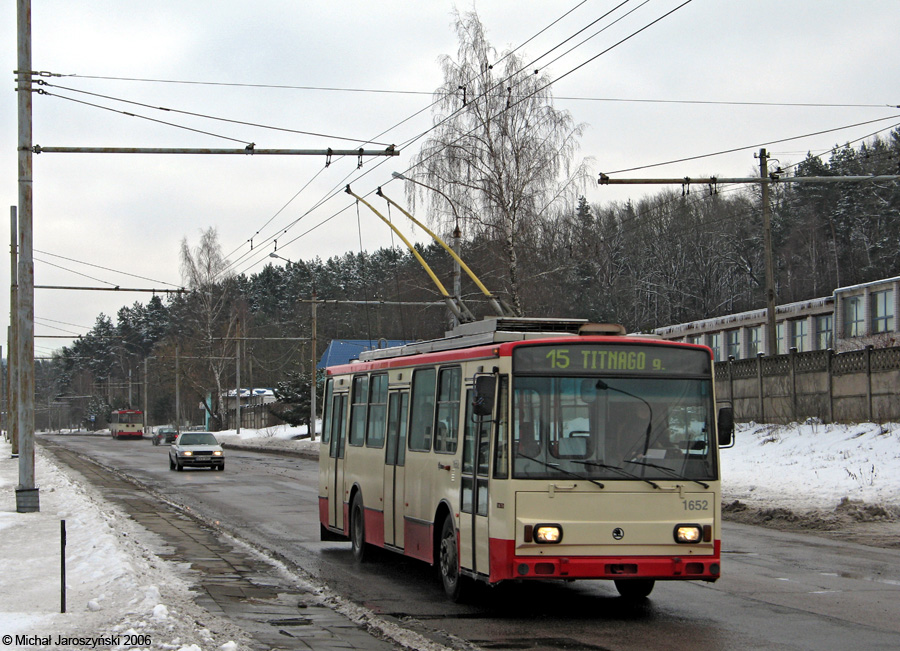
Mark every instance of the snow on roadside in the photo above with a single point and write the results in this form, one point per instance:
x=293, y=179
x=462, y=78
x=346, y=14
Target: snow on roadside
x=116, y=585
x=812, y=466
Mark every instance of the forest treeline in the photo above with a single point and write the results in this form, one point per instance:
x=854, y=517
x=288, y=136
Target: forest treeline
x=671, y=257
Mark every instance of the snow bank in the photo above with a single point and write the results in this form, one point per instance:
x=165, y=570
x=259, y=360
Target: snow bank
x=813, y=466
x=115, y=584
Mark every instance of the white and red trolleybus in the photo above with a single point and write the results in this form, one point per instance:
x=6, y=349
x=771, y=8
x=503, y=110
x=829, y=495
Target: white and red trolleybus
x=126, y=423
x=524, y=449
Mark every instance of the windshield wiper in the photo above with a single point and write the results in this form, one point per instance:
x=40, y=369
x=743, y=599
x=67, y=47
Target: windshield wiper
x=668, y=470
x=555, y=466
x=621, y=471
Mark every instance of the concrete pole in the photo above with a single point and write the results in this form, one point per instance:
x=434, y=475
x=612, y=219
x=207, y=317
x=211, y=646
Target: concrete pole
x=771, y=331
x=457, y=289
x=27, y=497
x=146, y=386
x=177, y=388
x=237, y=366
x=12, y=348
x=312, y=365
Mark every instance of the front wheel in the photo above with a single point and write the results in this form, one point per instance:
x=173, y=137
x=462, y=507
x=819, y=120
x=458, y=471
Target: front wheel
x=635, y=588
x=358, y=530
x=455, y=585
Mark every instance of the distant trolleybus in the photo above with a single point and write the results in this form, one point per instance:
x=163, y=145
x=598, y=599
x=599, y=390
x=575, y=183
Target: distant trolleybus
x=126, y=423
x=523, y=449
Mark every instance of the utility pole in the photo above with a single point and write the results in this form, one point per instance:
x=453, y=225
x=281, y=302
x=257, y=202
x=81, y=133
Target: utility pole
x=27, y=496
x=237, y=366
x=146, y=391
x=771, y=329
x=12, y=348
x=177, y=388
x=312, y=365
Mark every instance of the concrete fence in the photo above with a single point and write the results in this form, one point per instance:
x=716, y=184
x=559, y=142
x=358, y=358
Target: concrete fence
x=856, y=386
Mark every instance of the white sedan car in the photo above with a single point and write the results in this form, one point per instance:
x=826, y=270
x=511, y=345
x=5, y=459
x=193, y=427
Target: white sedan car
x=196, y=449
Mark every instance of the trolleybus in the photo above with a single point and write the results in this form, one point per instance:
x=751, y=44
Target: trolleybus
x=523, y=449
x=126, y=423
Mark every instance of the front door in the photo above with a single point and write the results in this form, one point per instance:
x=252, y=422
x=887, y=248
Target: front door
x=473, y=520
x=395, y=468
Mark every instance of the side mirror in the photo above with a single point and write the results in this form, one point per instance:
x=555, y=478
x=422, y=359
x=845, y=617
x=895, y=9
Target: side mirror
x=725, y=424
x=483, y=400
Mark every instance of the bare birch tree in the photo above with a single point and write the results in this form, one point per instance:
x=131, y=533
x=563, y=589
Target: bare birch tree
x=499, y=150
x=213, y=323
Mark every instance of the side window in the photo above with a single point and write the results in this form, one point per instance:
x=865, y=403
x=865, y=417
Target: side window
x=468, y=455
x=447, y=421
x=422, y=413
x=338, y=410
x=501, y=449
x=360, y=395
x=378, y=390
x=326, y=412
x=398, y=408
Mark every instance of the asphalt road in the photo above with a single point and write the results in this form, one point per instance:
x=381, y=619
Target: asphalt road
x=777, y=591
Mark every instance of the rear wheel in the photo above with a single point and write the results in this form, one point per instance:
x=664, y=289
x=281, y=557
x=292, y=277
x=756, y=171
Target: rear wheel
x=455, y=585
x=635, y=588
x=358, y=530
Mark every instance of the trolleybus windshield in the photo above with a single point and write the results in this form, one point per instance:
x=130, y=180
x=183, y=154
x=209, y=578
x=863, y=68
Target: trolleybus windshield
x=648, y=416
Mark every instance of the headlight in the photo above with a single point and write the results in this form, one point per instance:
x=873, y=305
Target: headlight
x=547, y=534
x=217, y=453
x=187, y=453
x=688, y=533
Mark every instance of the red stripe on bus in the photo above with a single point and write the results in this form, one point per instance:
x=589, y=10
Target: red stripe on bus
x=506, y=565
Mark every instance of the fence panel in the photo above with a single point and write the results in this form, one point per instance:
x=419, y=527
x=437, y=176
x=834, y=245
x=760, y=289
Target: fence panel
x=859, y=385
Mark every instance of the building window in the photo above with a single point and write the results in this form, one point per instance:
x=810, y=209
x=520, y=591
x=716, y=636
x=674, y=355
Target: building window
x=854, y=317
x=779, y=336
x=753, y=340
x=823, y=332
x=733, y=344
x=883, y=311
x=799, y=335
x=715, y=342
x=694, y=339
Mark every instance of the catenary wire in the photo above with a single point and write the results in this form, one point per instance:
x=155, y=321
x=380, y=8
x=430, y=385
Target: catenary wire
x=212, y=117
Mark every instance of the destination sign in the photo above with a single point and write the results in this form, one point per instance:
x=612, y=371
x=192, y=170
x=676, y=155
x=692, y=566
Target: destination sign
x=590, y=359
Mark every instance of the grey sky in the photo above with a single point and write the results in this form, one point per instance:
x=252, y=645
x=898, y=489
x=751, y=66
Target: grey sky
x=130, y=213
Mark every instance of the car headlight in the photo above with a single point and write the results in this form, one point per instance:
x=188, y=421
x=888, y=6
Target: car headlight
x=187, y=453
x=688, y=533
x=217, y=453
x=547, y=534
